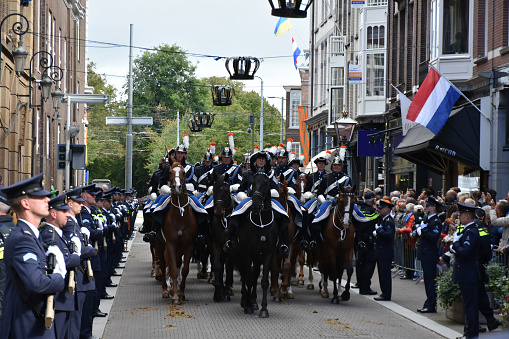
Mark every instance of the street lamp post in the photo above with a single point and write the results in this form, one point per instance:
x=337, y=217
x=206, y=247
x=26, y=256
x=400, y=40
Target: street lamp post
x=261, y=113
x=282, y=116
x=77, y=99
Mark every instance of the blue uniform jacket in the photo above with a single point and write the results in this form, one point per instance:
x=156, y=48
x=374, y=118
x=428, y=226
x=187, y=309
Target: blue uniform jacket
x=231, y=169
x=25, y=262
x=466, y=268
x=384, y=248
x=85, y=220
x=313, y=181
x=70, y=230
x=64, y=301
x=330, y=184
x=428, y=248
x=289, y=174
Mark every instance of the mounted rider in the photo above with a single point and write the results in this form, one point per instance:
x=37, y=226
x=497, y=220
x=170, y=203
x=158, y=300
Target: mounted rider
x=283, y=167
x=227, y=165
x=180, y=156
x=259, y=163
x=310, y=193
x=205, y=168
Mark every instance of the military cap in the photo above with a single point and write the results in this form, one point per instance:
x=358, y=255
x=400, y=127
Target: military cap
x=480, y=213
x=294, y=161
x=322, y=159
x=99, y=195
x=282, y=153
x=369, y=195
x=89, y=189
x=432, y=201
x=59, y=202
x=75, y=194
x=3, y=197
x=385, y=203
x=106, y=196
x=181, y=148
x=466, y=208
x=31, y=186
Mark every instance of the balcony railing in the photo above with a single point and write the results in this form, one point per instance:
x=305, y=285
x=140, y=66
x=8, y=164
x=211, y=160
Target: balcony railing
x=337, y=46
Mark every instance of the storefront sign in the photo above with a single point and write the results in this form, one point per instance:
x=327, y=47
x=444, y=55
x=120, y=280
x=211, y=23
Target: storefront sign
x=354, y=74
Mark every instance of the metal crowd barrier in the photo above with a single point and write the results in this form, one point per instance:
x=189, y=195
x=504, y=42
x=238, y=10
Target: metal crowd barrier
x=405, y=257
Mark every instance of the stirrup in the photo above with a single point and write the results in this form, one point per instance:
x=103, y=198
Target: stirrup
x=312, y=245
x=228, y=246
x=284, y=251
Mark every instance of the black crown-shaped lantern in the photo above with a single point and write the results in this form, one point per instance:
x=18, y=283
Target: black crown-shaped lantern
x=244, y=68
x=222, y=95
x=199, y=121
x=193, y=124
x=290, y=8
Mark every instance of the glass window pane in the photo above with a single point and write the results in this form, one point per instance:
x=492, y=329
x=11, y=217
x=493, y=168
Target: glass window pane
x=337, y=103
x=456, y=27
x=370, y=38
x=338, y=77
x=375, y=74
x=375, y=37
x=381, y=38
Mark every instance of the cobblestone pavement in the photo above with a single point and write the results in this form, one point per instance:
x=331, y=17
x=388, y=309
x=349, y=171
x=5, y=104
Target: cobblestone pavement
x=139, y=311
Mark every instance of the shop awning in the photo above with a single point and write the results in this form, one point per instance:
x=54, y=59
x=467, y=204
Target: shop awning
x=458, y=141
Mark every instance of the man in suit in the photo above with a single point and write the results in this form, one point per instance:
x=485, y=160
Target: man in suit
x=51, y=235
x=28, y=283
x=384, y=249
x=427, y=252
x=466, y=268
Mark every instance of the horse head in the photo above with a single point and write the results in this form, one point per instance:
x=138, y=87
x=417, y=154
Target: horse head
x=344, y=206
x=222, y=197
x=261, y=192
x=177, y=181
x=301, y=185
x=282, y=187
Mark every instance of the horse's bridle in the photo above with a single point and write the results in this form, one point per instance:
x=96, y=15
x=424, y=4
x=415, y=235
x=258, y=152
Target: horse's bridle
x=256, y=193
x=341, y=215
x=172, y=186
x=224, y=220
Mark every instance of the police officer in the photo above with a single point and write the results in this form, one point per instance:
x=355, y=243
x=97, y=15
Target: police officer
x=28, y=283
x=466, y=268
x=6, y=226
x=81, y=318
x=51, y=235
x=311, y=206
x=365, y=244
x=328, y=189
x=384, y=249
x=427, y=252
x=111, y=223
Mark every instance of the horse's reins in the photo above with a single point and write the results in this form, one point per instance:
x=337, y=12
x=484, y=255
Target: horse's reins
x=224, y=220
x=342, y=231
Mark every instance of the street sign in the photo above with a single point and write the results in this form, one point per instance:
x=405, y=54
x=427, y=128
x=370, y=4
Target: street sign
x=123, y=121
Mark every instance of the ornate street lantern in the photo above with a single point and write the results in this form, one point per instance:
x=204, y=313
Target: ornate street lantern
x=20, y=58
x=244, y=68
x=290, y=8
x=56, y=97
x=222, y=95
x=46, y=83
x=344, y=127
x=194, y=125
x=205, y=119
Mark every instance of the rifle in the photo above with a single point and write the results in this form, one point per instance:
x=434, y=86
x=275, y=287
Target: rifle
x=49, y=315
x=71, y=286
x=90, y=273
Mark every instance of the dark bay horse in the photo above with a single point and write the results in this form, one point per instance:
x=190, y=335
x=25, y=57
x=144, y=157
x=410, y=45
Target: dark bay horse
x=257, y=237
x=223, y=208
x=336, y=252
x=179, y=234
x=279, y=263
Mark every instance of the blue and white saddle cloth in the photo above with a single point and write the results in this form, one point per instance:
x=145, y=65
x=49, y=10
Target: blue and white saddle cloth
x=295, y=204
x=164, y=204
x=326, y=207
x=245, y=206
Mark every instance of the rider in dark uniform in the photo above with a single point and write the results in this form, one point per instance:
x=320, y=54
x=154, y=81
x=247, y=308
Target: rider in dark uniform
x=282, y=167
x=227, y=166
x=203, y=170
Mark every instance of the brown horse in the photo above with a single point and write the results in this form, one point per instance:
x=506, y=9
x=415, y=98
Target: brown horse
x=179, y=234
x=336, y=252
x=301, y=186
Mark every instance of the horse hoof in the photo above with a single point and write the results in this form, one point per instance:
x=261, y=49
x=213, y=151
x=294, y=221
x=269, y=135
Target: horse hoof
x=201, y=275
x=324, y=294
x=166, y=294
x=311, y=287
x=255, y=306
x=175, y=300
x=231, y=292
x=290, y=296
x=345, y=296
x=218, y=297
x=248, y=310
x=264, y=314
x=335, y=301
x=277, y=299
x=182, y=297
x=294, y=283
x=159, y=277
x=272, y=293
x=211, y=280
x=227, y=298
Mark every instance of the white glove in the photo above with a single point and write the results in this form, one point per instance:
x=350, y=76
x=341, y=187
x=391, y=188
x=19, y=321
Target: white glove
x=374, y=233
x=291, y=190
x=451, y=249
x=423, y=225
x=196, y=192
x=274, y=193
x=307, y=195
x=153, y=196
x=149, y=190
x=419, y=230
x=59, y=258
x=456, y=236
x=85, y=230
x=77, y=242
x=234, y=188
x=210, y=191
x=165, y=189
x=189, y=187
x=321, y=199
x=377, y=226
x=240, y=196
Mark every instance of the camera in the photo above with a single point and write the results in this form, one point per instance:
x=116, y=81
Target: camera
x=249, y=130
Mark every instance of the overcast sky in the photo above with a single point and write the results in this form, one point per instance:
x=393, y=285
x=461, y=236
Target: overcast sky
x=221, y=27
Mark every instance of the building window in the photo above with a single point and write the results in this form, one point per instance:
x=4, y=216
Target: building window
x=337, y=95
x=78, y=42
x=337, y=76
x=37, y=122
x=296, y=148
x=377, y=2
x=375, y=74
x=295, y=97
x=375, y=37
x=434, y=30
x=50, y=33
x=455, y=27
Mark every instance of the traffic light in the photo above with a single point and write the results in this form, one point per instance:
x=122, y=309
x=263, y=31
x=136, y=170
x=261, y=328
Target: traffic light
x=61, y=157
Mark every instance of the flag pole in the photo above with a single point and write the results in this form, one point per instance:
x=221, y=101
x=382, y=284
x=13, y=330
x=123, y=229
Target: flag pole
x=460, y=92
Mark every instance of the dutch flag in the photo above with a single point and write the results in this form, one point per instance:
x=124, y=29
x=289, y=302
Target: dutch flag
x=296, y=52
x=433, y=102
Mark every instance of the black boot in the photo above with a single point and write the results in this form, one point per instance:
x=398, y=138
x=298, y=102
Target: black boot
x=313, y=244
x=231, y=233
x=284, y=250
x=304, y=244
